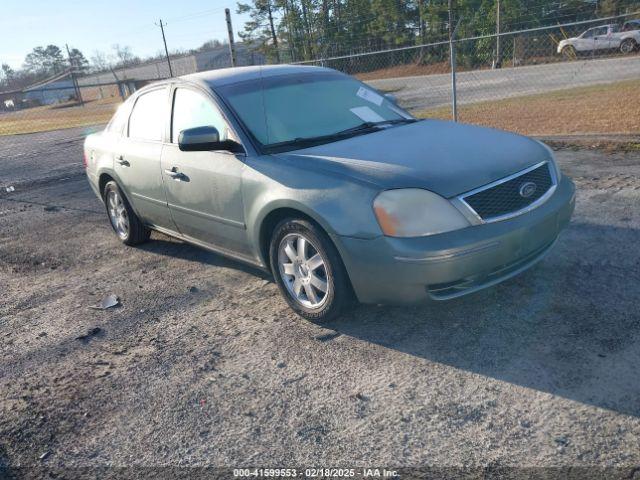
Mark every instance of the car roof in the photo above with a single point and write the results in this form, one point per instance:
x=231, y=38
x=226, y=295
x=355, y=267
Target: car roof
x=225, y=76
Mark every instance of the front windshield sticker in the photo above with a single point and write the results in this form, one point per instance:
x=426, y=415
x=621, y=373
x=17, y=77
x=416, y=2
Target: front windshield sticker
x=370, y=96
x=367, y=115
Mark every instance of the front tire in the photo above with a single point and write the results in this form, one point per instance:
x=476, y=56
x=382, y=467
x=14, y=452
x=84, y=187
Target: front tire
x=308, y=270
x=569, y=52
x=125, y=223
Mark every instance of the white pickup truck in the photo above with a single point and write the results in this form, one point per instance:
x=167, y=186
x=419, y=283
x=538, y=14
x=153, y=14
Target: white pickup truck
x=625, y=38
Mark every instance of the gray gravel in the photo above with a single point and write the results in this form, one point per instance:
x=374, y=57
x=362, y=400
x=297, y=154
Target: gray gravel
x=204, y=364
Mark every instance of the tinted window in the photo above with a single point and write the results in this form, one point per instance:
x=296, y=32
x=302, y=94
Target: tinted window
x=589, y=33
x=148, y=116
x=601, y=31
x=191, y=110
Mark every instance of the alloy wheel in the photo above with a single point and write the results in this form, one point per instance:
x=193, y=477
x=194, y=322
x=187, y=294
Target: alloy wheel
x=303, y=271
x=118, y=214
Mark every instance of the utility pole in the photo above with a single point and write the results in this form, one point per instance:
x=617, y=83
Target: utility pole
x=452, y=58
x=232, y=44
x=498, y=62
x=166, y=50
x=74, y=81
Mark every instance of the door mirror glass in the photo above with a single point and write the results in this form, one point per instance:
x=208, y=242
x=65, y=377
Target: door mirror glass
x=199, y=139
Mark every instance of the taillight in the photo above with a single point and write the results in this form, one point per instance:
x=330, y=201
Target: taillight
x=84, y=160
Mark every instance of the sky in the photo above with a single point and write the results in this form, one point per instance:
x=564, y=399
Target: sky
x=92, y=25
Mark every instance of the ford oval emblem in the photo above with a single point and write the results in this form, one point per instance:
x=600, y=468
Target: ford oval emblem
x=527, y=189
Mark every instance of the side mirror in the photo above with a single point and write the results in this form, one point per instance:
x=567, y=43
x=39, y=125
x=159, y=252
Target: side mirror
x=205, y=139
x=199, y=139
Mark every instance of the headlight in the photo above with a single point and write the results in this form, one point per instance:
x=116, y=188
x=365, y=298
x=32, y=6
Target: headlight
x=552, y=159
x=413, y=212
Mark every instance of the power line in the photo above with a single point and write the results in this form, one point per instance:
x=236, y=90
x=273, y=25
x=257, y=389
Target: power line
x=192, y=16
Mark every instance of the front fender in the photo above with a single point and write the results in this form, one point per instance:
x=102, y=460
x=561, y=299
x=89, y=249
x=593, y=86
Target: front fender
x=338, y=204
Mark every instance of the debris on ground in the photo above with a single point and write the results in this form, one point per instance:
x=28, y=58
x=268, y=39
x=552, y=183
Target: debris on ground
x=193, y=289
x=109, y=301
x=92, y=332
x=45, y=455
x=51, y=208
x=10, y=189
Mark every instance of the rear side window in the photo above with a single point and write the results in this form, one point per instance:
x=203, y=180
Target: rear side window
x=191, y=110
x=119, y=119
x=148, y=117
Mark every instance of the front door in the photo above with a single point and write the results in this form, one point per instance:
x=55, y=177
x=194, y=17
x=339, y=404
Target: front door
x=137, y=159
x=203, y=189
x=584, y=42
x=601, y=38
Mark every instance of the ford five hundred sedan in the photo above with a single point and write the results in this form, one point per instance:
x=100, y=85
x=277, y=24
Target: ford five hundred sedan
x=329, y=185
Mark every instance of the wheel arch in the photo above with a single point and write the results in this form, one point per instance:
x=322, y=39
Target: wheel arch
x=103, y=179
x=106, y=176
x=275, y=216
x=270, y=218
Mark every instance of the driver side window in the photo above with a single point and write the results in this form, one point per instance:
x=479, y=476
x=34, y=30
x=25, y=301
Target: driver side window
x=191, y=110
x=589, y=33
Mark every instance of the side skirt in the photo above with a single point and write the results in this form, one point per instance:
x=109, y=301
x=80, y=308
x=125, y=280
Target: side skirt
x=206, y=246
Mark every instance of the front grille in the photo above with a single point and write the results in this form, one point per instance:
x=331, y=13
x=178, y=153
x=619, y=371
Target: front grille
x=506, y=198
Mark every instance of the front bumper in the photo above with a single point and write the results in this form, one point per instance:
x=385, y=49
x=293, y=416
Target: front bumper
x=449, y=265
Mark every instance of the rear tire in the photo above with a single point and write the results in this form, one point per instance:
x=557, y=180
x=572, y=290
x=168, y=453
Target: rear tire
x=628, y=46
x=308, y=270
x=124, y=221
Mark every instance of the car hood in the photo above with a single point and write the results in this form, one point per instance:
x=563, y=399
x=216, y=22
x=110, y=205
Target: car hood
x=444, y=157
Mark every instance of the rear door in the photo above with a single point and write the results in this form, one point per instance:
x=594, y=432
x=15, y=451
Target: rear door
x=137, y=161
x=614, y=36
x=205, y=199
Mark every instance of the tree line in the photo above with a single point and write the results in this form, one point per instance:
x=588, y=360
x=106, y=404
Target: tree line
x=296, y=30
x=50, y=60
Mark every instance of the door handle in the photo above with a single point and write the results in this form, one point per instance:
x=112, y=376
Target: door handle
x=121, y=161
x=173, y=173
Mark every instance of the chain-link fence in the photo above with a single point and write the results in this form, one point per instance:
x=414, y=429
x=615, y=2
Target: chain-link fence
x=578, y=77
x=581, y=77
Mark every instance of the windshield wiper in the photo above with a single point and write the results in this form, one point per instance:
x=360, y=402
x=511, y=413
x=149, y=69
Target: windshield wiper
x=372, y=125
x=363, y=127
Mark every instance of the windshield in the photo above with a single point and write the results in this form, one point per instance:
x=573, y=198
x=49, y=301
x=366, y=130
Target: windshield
x=295, y=111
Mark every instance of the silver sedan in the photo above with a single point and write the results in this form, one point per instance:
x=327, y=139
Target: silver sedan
x=329, y=185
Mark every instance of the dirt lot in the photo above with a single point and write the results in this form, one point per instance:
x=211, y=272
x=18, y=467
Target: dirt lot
x=204, y=364
x=60, y=115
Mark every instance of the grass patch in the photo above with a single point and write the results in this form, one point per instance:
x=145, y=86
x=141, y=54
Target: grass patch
x=57, y=116
x=610, y=108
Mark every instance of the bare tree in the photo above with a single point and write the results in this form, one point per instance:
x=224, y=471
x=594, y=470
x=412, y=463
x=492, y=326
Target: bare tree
x=100, y=61
x=124, y=55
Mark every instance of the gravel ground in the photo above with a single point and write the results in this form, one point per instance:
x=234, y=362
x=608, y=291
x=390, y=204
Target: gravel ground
x=204, y=364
